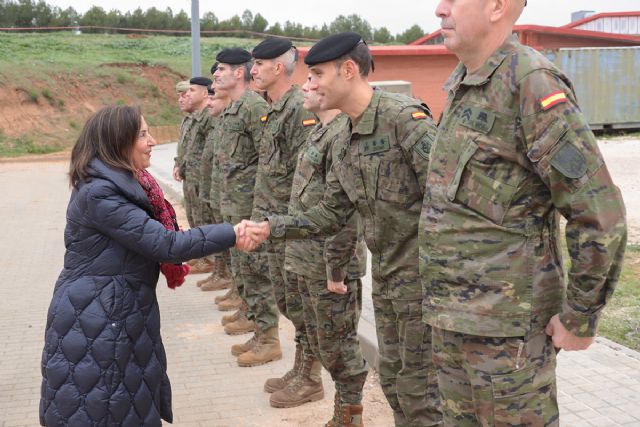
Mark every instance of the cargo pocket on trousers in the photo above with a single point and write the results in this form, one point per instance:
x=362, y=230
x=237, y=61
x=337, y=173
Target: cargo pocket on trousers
x=525, y=394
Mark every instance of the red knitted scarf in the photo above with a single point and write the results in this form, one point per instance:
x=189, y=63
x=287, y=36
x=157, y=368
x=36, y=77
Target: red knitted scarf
x=164, y=213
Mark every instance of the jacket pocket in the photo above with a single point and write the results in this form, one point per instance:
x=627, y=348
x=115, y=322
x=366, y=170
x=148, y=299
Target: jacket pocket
x=395, y=180
x=472, y=186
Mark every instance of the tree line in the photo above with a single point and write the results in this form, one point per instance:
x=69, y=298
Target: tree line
x=29, y=14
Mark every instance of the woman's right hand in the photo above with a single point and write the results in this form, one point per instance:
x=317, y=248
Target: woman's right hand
x=243, y=241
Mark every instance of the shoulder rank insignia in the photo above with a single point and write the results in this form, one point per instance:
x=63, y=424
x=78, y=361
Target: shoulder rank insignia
x=553, y=99
x=418, y=115
x=263, y=119
x=308, y=122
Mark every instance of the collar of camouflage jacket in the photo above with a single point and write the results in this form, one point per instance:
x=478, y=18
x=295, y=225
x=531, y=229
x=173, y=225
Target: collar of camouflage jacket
x=367, y=123
x=235, y=105
x=282, y=102
x=485, y=72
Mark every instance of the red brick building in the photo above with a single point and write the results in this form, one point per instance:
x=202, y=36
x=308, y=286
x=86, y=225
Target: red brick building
x=426, y=63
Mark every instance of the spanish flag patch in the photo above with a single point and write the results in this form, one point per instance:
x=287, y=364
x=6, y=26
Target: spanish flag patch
x=553, y=99
x=308, y=122
x=419, y=115
x=263, y=119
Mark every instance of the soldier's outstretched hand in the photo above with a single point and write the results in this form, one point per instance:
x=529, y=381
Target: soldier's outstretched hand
x=564, y=339
x=243, y=242
x=257, y=231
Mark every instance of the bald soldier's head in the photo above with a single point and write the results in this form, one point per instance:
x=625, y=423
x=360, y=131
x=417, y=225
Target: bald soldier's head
x=474, y=29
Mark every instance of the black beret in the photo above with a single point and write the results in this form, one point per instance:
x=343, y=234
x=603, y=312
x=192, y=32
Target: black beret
x=200, y=81
x=214, y=67
x=271, y=47
x=332, y=47
x=233, y=56
x=211, y=90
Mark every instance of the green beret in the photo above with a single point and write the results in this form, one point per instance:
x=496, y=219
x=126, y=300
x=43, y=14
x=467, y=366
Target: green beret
x=271, y=47
x=233, y=56
x=200, y=81
x=182, y=86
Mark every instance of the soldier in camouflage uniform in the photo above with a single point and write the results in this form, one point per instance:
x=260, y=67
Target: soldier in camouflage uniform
x=512, y=154
x=286, y=127
x=379, y=170
x=328, y=269
x=237, y=156
x=181, y=90
x=208, y=192
x=189, y=153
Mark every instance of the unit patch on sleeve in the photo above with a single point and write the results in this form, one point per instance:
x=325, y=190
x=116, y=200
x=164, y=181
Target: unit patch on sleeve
x=418, y=115
x=308, y=122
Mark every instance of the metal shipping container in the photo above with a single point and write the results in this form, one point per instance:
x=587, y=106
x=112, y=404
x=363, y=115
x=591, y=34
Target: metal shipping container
x=607, y=83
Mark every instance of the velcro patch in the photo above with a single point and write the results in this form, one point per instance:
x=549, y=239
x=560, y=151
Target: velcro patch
x=374, y=145
x=477, y=119
x=569, y=161
x=419, y=115
x=263, y=119
x=309, y=122
x=553, y=99
x=314, y=156
x=423, y=146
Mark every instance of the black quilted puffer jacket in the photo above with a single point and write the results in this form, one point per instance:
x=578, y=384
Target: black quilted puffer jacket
x=103, y=362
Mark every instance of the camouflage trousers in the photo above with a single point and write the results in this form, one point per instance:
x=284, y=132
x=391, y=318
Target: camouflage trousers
x=251, y=274
x=487, y=381
x=211, y=215
x=192, y=202
x=407, y=374
x=285, y=291
x=331, y=323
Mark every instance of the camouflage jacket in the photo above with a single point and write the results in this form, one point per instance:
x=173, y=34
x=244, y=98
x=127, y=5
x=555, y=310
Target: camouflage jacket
x=237, y=153
x=181, y=149
x=512, y=152
x=343, y=255
x=379, y=169
x=196, y=138
x=209, y=169
x=285, y=128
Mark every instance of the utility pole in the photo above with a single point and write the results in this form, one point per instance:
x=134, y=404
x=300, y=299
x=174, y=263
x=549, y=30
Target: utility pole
x=196, y=68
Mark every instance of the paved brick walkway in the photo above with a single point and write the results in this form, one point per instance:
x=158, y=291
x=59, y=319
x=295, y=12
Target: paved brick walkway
x=599, y=387
x=209, y=389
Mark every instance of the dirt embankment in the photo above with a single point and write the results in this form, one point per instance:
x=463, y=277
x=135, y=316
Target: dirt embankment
x=52, y=110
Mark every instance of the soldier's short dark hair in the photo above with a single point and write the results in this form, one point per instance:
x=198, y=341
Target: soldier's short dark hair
x=108, y=135
x=361, y=55
x=247, y=69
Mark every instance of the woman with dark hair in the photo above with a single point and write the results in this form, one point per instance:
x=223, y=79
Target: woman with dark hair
x=103, y=362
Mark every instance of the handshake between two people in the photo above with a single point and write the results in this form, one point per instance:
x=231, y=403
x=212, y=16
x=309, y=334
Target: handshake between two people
x=251, y=234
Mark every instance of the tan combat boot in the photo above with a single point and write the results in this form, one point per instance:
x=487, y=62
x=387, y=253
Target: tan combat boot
x=231, y=304
x=306, y=387
x=238, y=349
x=233, y=291
x=266, y=349
x=240, y=326
x=203, y=265
x=275, y=384
x=220, y=278
x=345, y=415
x=230, y=318
x=216, y=284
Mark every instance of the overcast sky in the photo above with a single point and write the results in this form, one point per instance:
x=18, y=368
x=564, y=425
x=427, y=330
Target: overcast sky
x=396, y=15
